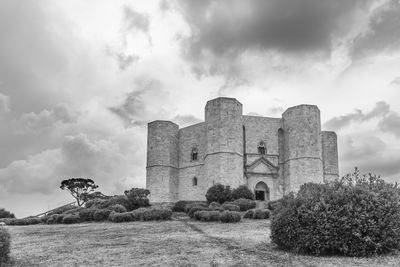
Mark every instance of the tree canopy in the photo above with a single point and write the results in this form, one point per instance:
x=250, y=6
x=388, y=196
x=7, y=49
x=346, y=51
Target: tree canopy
x=79, y=188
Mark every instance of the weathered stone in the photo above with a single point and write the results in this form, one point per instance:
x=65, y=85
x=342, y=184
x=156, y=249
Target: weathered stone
x=293, y=150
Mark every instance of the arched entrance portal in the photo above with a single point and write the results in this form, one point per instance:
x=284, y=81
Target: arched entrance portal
x=261, y=191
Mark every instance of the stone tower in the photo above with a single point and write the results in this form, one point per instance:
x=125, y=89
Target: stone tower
x=302, y=146
x=162, y=161
x=271, y=156
x=224, y=142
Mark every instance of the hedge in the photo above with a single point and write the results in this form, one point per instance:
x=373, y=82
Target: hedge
x=242, y=192
x=245, y=204
x=230, y=216
x=5, y=243
x=70, y=219
x=101, y=214
x=354, y=216
x=230, y=206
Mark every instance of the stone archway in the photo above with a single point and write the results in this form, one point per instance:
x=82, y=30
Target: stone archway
x=261, y=191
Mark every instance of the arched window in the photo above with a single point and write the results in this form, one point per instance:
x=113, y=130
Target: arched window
x=194, y=181
x=261, y=148
x=194, y=154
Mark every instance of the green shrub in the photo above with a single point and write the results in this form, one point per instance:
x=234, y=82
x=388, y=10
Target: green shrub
x=156, y=214
x=118, y=208
x=245, y=204
x=261, y=214
x=230, y=206
x=120, y=217
x=214, y=205
x=70, y=219
x=242, y=192
x=194, y=209
x=33, y=220
x=230, y=216
x=207, y=215
x=101, y=214
x=179, y=206
x=219, y=193
x=137, y=198
x=5, y=243
x=74, y=211
x=249, y=214
x=354, y=216
x=55, y=218
x=6, y=214
x=136, y=215
x=86, y=215
x=95, y=203
x=14, y=221
x=274, y=204
x=189, y=206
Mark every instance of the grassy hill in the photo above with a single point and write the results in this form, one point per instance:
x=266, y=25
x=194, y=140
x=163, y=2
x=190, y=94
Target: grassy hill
x=180, y=242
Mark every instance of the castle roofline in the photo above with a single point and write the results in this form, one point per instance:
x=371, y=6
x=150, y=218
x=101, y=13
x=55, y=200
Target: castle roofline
x=263, y=117
x=221, y=98
x=158, y=121
x=193, y=125
x=300, y=106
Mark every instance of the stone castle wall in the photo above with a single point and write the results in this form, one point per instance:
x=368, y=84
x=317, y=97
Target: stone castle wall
x=227, y=142
x=330, y=155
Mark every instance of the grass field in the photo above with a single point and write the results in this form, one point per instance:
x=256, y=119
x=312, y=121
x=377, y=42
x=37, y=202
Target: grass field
x=180, y=242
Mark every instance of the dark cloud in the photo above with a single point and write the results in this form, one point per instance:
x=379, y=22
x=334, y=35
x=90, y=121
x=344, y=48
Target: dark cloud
x=229, y=27
x=136, y=107
x=380, y=110
x=136, y=20
x=390, y=124
x=384, y=34
x=370, y=154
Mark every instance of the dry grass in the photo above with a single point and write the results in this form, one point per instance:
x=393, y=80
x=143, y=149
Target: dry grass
x=180, y=242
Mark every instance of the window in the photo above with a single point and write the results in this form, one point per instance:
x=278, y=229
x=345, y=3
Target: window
x=261, y=148
x=194, y=154
x=194, y=181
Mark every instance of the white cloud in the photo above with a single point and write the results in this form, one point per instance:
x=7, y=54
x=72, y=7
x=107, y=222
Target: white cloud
x=4, y=104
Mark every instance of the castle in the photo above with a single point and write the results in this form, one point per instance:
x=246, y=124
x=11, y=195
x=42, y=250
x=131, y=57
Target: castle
x=272, y=156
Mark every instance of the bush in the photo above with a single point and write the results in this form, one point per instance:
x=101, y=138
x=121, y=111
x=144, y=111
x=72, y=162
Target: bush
x=33, y=220
x=194, y=209
x=156, y=214
x=230, y=206
x=274, y=204
x=109, y=202
x=74, y=211
x=261, y=214
x=6, y=214
x=214, y=205
x=55, y=218
x=5, y=243
x=95, y=203
x=118, y=208
x=242, y=192
x=137, y=198
x=101, y=214
x=70, y=219
x=86, y=215
x=249, y=214
x=194, y=204
x=354, y=216
x=230, y=216
x=207, y=215
x=245, y=204
x=120, y=217
x=136, y=215
x=219, y=193
x=179, y=206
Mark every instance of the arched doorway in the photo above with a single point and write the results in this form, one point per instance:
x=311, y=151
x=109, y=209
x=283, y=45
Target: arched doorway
x=261, y=191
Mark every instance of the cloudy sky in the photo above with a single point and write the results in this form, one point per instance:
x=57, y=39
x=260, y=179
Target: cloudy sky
x=79, y=80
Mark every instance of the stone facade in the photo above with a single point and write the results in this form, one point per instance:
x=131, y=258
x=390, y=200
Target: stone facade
x=272, y=156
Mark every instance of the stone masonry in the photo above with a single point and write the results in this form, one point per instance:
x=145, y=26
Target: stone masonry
x=272, y=156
